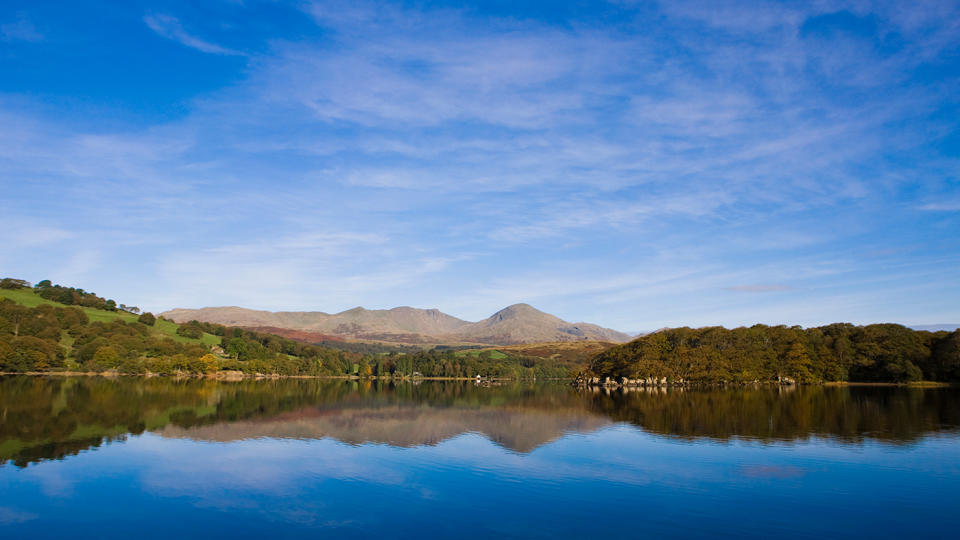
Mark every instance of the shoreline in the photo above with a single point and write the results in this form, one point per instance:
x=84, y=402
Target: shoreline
x=624, y=383
x=238, y=376
x=913, y=384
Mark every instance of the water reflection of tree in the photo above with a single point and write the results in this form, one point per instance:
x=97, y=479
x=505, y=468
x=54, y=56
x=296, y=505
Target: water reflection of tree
x=773, y=414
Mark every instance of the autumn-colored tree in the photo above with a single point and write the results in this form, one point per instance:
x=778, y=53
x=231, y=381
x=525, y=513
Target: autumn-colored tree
x=106, y=357
x=208, y=363
x=798, y=363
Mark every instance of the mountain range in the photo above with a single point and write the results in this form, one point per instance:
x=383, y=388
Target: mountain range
x=516, y=324
x=520, y=429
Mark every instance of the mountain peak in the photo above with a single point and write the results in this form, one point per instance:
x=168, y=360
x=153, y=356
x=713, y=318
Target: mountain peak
x=517, y=310
x=521, y=307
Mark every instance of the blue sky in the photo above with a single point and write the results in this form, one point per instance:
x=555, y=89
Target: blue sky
x=633, y=164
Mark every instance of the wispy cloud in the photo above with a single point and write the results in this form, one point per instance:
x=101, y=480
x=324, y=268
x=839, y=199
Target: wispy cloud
x=21, y=29
x=759, y=288
x=170, y=27
x=946, y=206
x=26, y=233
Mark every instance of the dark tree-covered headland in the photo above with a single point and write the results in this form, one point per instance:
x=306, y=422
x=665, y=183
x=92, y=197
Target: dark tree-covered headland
x=832, y=353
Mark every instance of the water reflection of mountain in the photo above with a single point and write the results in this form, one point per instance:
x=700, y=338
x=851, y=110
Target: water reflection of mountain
x=519, y=430
x=50, y=418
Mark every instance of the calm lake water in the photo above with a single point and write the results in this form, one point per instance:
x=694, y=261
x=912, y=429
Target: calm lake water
x=97, y=457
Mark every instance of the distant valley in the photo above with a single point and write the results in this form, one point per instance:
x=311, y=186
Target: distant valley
x=514, y=325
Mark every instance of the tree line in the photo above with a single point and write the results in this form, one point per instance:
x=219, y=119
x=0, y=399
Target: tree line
x=246, y=345
x=836, y=352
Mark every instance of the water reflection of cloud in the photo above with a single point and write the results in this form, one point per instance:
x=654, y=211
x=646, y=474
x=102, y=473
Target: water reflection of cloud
x=316, y=483
x=9, y=516
x=261, y=465
x=772, y=471
x=296, y=485
x=284, y=467
x=280, y=467
x=53, y=481
x=274, y=478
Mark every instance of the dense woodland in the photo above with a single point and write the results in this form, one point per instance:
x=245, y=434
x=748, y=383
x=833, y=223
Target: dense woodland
x=836, y=352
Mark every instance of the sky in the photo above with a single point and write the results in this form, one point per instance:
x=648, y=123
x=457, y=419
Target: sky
x=632, y=164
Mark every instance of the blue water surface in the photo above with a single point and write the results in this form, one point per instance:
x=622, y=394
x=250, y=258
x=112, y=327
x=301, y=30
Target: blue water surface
x=615, y=478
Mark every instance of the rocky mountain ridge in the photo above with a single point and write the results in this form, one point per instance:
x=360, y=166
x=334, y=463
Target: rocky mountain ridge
x=516, y=324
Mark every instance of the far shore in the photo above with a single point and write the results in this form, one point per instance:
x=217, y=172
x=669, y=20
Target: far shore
x=923, y=384
x=238, y=376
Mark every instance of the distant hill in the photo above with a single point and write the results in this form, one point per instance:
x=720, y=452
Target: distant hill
x=572, y=352
x=522, y=323
x=936, y=327
x=516, y=324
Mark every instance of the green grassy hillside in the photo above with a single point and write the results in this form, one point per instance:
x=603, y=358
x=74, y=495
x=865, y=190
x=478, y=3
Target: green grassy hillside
x=28, y=298
x=494, y=353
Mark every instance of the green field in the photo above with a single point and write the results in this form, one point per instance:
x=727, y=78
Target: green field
x=494, y=354
x=27, y=297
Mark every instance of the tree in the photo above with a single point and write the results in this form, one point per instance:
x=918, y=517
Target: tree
x=11, y=283
x=13, y=316
x=110, y=305
x=147, y=318
x=189, y=331
x=6, y=357
x=902, y=370
x=799, y=364
x=106, y=357
x=131, y=365
x=64, y=296
x=945, y=359
x=236, y=347
x=364, y=369
x=207, y=363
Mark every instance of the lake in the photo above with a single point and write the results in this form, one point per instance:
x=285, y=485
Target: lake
x=119, y=457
